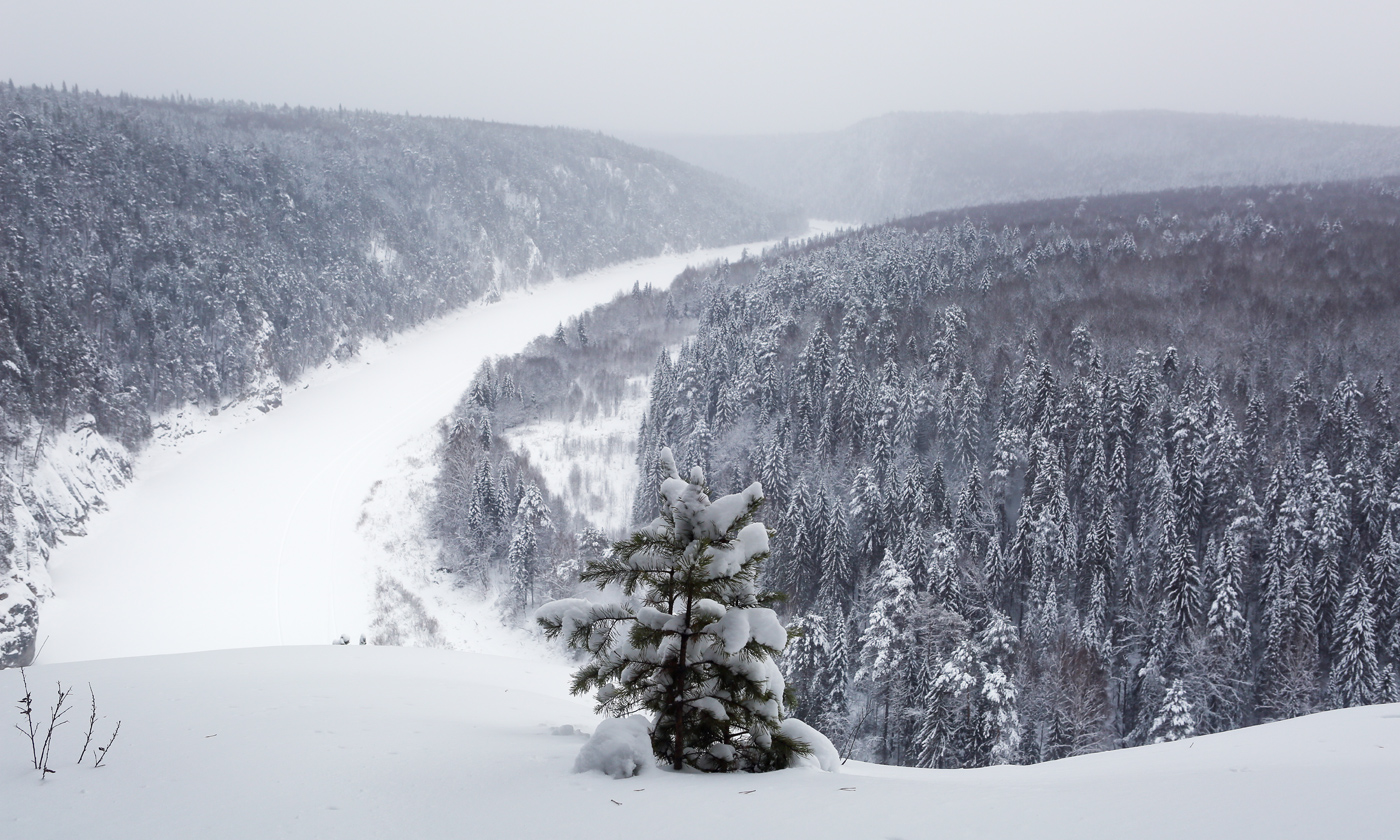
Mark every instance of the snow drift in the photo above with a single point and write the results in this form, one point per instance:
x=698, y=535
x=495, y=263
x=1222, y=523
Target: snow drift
x=370, y=742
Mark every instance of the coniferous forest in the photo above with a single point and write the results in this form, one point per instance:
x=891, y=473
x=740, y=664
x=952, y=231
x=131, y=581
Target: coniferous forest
x=1050, y=478
x=154, y=252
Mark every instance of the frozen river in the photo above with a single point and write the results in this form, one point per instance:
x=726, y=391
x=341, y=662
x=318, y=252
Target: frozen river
x=244, y=535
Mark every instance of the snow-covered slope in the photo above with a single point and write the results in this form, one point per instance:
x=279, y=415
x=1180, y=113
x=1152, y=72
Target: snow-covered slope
x=351, y=742
x=590, y=463
x=244, y=533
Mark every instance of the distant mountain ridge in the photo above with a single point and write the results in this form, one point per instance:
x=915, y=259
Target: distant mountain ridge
x=908, y=163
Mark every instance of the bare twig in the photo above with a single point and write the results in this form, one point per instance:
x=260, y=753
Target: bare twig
x=851, y=736
x=102, y=751
x=31, y=729
x=56, y=720
x=92, y=723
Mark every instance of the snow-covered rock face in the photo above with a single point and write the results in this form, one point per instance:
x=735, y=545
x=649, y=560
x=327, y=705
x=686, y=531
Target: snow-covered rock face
x=46, y=498
x=19, y=622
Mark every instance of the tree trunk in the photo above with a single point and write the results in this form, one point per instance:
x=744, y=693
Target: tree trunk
x=678, y=744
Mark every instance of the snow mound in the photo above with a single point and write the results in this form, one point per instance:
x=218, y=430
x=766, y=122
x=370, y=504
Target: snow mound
x=824, y=754
x=620, y=747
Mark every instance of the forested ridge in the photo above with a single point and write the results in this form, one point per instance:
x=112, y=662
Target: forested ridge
x=1058, y=477
x=157, y=251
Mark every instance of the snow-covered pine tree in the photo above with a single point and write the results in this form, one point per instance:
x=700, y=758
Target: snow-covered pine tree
x=1325, y=541
x=695, y=644
x=948, y=733
x=1000, y=723
x=838, y=575
x=1356, y=675
x=591, y=544
x=531, y=516
x=807, y=657
x=1181, y=589
x=1176, y=720
x=834, y=674
x=887, y=653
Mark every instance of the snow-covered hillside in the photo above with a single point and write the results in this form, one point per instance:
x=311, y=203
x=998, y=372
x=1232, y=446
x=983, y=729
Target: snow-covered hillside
x=238, y=533
x=374, y=742
x=590, y=463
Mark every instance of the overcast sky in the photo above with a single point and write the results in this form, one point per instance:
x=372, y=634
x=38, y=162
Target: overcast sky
x=724, y=67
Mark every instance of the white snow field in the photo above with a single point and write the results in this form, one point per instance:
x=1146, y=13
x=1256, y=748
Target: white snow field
x=375, y=742
x=242, y=534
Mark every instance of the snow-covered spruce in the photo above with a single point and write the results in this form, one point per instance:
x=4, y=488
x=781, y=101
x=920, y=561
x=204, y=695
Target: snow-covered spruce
x=694, y=646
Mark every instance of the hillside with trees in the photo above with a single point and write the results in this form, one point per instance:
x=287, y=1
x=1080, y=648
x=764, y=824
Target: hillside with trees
x=155, y=252
x=1059, y=477
x=901, y=164
x=587, y=367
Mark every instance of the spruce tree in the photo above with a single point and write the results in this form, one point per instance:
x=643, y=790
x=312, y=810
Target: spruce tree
x=530, y=517
x=1176, y=720
x=1356, y=675
x=837, y=572
x=695, y=645
x=887, y=647
x=807, y=656
x=999, y=725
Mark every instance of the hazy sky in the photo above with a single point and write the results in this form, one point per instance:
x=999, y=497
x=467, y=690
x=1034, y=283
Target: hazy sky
x=724, y=67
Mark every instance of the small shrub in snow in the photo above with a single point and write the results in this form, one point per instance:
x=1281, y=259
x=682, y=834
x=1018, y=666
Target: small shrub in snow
x=620, y=747
x=40, y=733
x=695, y=647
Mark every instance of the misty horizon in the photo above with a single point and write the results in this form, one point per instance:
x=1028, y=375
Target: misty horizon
x=640, y=136
x=626, y=67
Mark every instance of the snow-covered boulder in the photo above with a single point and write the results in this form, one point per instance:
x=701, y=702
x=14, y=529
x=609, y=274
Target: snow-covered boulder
x=824, y=753
x=620, y=747
x=19, y=623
